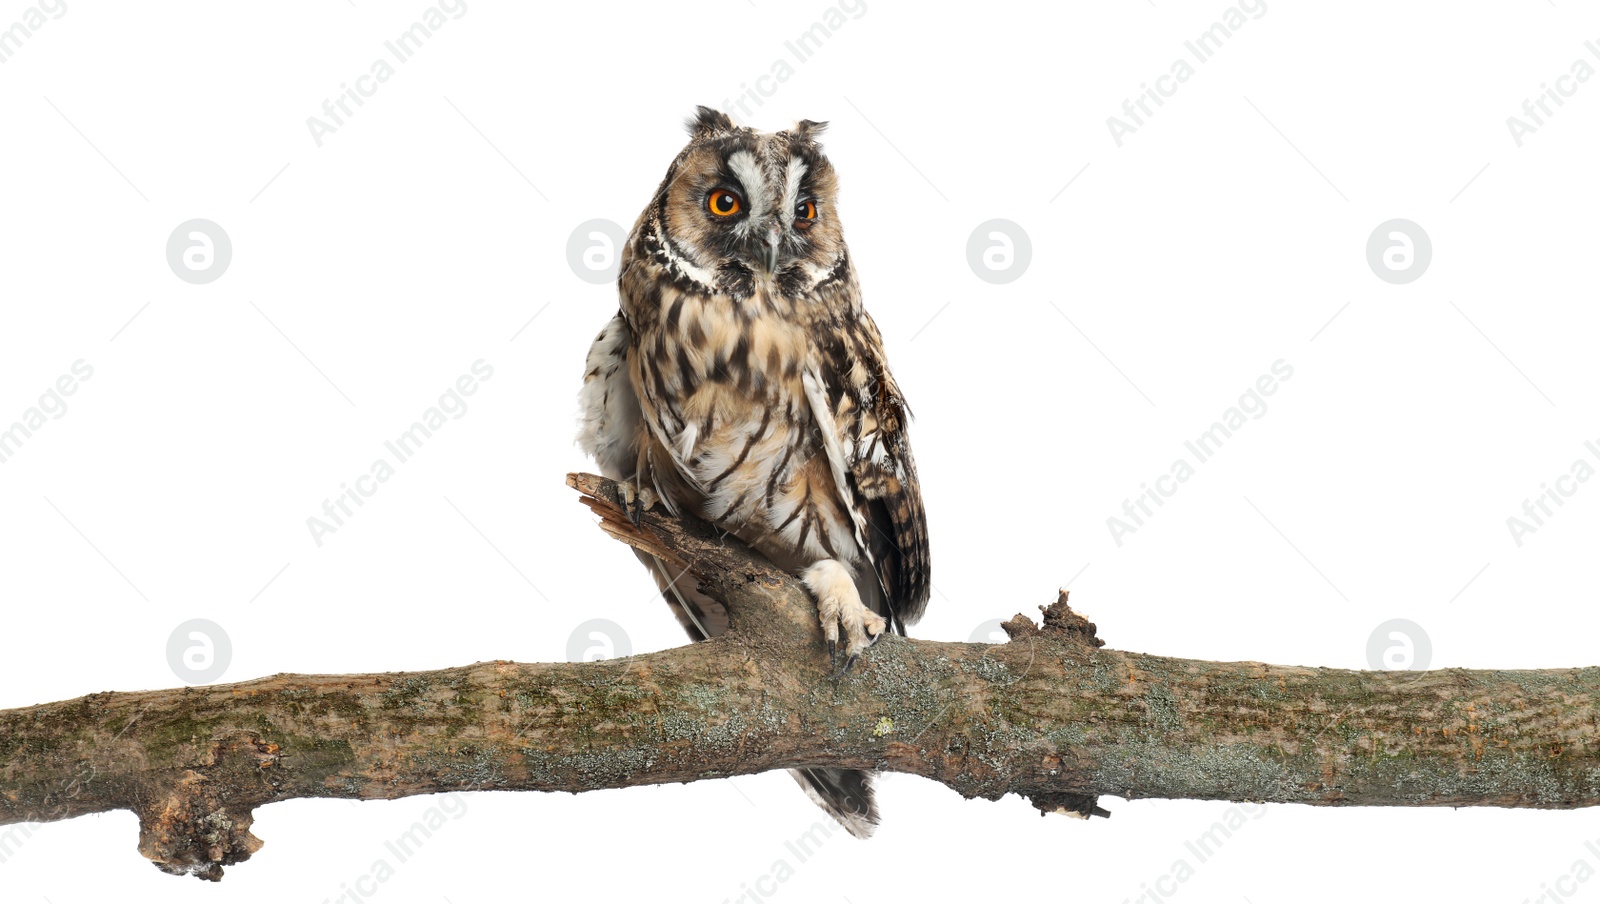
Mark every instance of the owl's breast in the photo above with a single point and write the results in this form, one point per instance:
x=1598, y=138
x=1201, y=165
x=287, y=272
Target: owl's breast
x=720, y=387
x=715, y=359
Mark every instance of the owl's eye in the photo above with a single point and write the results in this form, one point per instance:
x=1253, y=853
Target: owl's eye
x=723, y=203
x=804, y=213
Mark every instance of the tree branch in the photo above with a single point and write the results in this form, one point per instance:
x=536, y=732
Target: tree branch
x=1050, y=716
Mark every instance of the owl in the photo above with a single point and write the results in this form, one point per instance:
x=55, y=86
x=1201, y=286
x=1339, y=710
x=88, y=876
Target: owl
x=743, y=382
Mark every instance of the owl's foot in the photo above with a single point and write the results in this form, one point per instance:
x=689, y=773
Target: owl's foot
x=839, y=605
x=635, y=499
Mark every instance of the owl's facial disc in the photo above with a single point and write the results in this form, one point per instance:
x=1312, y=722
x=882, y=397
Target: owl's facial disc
x=752, y=204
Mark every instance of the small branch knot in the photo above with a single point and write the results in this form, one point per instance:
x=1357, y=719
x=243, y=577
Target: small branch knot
x=1020, y=626
x=1059, y=621
x=196, y=828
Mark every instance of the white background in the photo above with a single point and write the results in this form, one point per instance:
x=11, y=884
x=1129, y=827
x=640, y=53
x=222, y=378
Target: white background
x=1227, y=233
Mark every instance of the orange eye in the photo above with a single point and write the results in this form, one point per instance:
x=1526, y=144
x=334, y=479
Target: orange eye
x=723, y=203
x=805, y=212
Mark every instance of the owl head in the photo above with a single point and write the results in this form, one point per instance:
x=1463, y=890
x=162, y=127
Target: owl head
x=751, y=205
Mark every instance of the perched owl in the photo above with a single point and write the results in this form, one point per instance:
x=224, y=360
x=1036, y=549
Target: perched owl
x=743, y=382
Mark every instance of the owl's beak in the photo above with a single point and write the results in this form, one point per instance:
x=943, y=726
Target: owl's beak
x=769, y=254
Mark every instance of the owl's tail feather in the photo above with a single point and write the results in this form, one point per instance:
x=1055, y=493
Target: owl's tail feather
x=700, y=615
x=683, y=603
x=845, y=793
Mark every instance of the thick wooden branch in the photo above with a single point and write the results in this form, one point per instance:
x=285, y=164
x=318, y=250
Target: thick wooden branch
x=1050, y=715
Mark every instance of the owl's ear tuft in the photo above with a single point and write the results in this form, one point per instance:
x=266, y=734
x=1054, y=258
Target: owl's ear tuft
x=707, y=121
x=806, y=130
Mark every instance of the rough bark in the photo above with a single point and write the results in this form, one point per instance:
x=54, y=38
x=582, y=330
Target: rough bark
x=1050, y=716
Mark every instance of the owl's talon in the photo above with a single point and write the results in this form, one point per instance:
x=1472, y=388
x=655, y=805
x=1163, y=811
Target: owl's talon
x=635, y=499
x=846, y=667
x=839, y=606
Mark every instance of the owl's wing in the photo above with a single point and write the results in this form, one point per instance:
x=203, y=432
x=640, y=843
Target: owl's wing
x=608, y=409
x=611, y=426
x=873, y=457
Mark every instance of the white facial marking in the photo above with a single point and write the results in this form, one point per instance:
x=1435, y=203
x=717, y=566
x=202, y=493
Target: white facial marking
x=791, y=188
x=748, y=172
x=685, y=267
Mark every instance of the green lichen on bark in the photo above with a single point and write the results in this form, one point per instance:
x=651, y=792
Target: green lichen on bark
x=1051, y=716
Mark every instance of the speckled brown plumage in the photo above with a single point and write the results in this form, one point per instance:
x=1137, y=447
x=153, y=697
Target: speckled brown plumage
x=743, y=381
